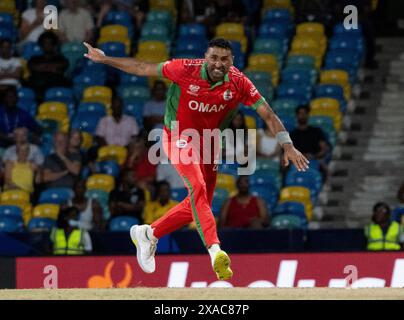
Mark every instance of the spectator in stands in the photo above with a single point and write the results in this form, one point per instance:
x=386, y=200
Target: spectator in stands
x=267, y=145
x=382, y=233
x=75, y=23
x=237, y=147
x=155, y=108
x=35, y=154
x=244, y=210
x=117, y=129
x=47, y=70
x=10, y=67
x=12, y=117
x=61, y=168
x=138, y=161
x=90, y=211
x=74, y=147
x=128, y=199
x=398, y=212
x=162, y=203
x=32, y=22
x=21, y=173
x=310, y=140
x=67, y=238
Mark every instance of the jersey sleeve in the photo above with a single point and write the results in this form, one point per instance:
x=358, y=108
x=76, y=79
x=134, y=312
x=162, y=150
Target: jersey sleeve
x=250, y=96
x=172, y=69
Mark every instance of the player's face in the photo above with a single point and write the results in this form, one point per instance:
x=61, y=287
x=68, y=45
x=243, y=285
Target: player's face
x=219, y=61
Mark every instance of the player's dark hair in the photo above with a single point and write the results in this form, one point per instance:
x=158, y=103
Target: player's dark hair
x=221, y=43
x=303, y=107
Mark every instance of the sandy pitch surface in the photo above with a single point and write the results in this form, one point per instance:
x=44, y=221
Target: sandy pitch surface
x=203, y=294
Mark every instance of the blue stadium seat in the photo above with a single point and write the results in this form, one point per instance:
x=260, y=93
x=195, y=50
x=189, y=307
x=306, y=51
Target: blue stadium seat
x=291, y=208
x=9, y=225
x=82, y=81
x=286, y=221
x=155, y=31
x=347, y=43
x=12, y=212
x=6, y=33
x=56, y=195
x=31, y=49
x=285, y=107
x=122, y=18
x=132, y=79
x=192, y=29
x=195, y=45
x=397, y=214
x=92, y=107
x=179, y=194
x=27, y=100
x=122, y=224
x=301, y=61
x=86, y=121
x=41, y=224
x=310, y=179
x=339, y=29
x=134, y=108
x=111, y=168
x=266, y=178
x=134, y=92
x=298, y=92
x=278, y=30
x=305, y=77
x=269, y=195
x=229, y=168
x=62, y=94
x=114, y=49
x=289, y=122
x=220, y=195
x=6, y=20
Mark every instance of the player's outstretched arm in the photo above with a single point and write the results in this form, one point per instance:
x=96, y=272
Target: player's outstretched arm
x=279, y=131
x=128, y=65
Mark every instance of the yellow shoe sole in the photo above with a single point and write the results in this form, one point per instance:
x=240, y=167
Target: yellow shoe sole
x=221, y=266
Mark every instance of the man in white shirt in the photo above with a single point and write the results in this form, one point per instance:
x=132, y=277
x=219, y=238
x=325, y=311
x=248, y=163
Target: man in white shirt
x=32, y=22
x=10, y=67
x=21, y=137
x=118, y=128
x=75, y=23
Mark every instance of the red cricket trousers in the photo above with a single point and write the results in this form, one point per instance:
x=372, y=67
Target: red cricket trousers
x=199, y=179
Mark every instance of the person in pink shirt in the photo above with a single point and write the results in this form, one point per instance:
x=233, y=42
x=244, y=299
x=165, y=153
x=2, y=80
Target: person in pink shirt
x=118, y=128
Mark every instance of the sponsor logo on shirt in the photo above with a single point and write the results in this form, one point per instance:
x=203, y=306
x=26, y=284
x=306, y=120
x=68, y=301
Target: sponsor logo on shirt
x=205, y=107
x=227, y=95
x=181, y=143
x=193, y=89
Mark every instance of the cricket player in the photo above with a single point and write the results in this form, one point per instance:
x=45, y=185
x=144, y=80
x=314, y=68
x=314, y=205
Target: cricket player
x=204, y=94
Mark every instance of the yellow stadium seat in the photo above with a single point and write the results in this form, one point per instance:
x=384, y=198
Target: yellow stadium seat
x=15, y=196
x=58, y=109
x=152, y=47
x=250, y=122
x=98, y=94
x=337, y=76
x=298, y=194
x=114, y=31
x=155, y=57
x=226, y=181
x=264, y=62
x=112, y=152
x=310, y=28
x=101, y=182
x=270, y=4
x=8, y=6
x=46, y=210
x=87, y=141
x=233, y=32
x=168, y=5
x=325, y=103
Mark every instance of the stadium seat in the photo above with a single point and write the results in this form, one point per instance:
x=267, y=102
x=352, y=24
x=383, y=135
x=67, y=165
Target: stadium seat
x=103, y=199
x=398, y=214
x=94, y=108
x=101, y=182
x=267, y=178
x=179, y=194
x=112, y=152
x=9, y=225
x=310, y=28
x=268, y=194
x=219, y=197
x=233, y=32
x=31, y=49
x=54, y=110
x=117, y=17
x=298, y=194
x=298, y=92
x=108, y=167
x=291, y=208
x=192, y=29
x=12, y=212
x=149, y=47
x=286, y=222
x=14, y=196
x=100, y=94
x=332, y=91
x=163, y=17
x=87, y=141
x=267, y=164
x=339, y=77
x=37, y=224
x=84, y=80
x=285, y=106
x=277, y=4
x=228, y=168
x=301, y=61
x=46, y=210
x=226, y=181
x=114, y=31
x=156, y=32
x=132, y=79
x=193, y=45
x=327, y=107
x=73, y=51
x=122, y=223
x=134, y=108
x=310, y=179
x=86, y=121
x=134, y=92
x=264, y=62
x=114, y=48
x=56, y=195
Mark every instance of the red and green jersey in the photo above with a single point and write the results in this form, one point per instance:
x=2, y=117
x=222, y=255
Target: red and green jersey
x=196, y=103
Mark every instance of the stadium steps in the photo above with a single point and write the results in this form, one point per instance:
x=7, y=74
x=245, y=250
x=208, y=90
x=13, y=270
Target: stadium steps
x=368, y=166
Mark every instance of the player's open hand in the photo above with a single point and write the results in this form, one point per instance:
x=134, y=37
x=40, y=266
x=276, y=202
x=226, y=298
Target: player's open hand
x=94, y=54
x=294, y=155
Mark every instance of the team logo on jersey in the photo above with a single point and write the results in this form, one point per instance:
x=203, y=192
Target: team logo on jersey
x=253, y=91
x=227, y=95
x=193, y=89
x=205, y=107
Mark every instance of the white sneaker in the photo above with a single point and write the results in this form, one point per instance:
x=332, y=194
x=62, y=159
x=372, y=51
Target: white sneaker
x=145, y=248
